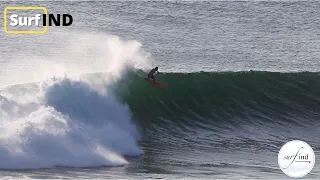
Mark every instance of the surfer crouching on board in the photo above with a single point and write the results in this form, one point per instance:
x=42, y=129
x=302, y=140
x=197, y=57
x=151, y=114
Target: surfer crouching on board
x=151, y=74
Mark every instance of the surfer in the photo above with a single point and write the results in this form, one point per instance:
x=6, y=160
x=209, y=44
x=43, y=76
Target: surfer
x=151, y=74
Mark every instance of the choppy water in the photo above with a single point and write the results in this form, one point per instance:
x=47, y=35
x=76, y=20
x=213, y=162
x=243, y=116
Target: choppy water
x=242, y=77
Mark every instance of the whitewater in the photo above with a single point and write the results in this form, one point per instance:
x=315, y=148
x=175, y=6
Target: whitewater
x=62, y=118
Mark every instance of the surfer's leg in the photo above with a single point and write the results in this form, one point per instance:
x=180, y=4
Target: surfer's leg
x=154, y=79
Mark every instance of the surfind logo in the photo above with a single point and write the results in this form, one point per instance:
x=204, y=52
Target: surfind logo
x=296, y=158
x=32, y=20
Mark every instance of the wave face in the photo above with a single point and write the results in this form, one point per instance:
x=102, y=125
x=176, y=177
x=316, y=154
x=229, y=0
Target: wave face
x=69, y=122
x=225, y=98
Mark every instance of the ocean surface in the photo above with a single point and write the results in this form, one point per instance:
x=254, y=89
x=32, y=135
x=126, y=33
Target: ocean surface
x=242, y=77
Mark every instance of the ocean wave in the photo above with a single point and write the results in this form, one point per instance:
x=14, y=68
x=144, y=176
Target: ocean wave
x=224, y=96
x=69, y=122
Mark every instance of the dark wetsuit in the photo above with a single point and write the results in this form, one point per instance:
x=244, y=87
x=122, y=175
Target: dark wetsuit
x=150, y=75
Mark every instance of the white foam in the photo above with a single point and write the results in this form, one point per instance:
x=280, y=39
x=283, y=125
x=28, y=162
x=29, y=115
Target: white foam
x=65, y=120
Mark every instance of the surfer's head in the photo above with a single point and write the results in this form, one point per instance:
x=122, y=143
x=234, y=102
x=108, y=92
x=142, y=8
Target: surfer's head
x=156, y=68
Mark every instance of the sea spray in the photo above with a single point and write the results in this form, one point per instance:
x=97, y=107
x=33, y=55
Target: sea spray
x=64, y=119
x=72, y=53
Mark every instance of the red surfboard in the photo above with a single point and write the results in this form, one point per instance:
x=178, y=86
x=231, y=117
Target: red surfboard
x=157, y=84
